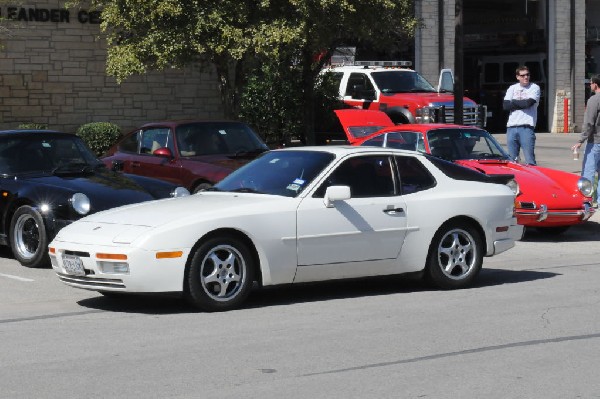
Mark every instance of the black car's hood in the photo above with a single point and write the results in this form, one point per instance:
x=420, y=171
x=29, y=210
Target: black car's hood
x=104, y=188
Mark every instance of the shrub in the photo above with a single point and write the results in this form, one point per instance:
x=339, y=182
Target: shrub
x=272, y=102
x=35, y=126
x=99, y=136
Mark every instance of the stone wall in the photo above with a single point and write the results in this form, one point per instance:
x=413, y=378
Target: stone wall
x=427, y=59
x=560, y=51
x=53, y=72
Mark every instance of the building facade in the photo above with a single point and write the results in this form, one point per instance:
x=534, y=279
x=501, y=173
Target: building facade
x=52, y=71
x=549, y=36
x=53, y=60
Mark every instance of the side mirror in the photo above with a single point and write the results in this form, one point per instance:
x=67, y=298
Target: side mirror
x=446, y=81
x=336, y=193
x=163, y=152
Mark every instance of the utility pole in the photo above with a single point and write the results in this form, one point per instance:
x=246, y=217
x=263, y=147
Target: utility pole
x=458, y=62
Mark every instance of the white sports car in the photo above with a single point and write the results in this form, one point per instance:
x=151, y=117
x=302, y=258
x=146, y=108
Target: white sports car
x=297, y=215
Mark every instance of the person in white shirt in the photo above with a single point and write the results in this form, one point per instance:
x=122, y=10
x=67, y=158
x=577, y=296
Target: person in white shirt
x=522, y=100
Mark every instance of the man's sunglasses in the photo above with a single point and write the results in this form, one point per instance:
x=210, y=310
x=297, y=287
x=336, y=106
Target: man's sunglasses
x=525, y=74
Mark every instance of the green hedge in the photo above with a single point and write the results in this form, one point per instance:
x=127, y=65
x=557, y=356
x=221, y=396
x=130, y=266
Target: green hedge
x=35, y=126
x=99, y=136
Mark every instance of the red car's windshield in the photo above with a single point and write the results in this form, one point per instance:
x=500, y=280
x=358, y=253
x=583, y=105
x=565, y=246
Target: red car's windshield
x=207, y=138
x=455, y=144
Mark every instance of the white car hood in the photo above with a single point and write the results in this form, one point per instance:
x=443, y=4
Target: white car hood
x=124, y=224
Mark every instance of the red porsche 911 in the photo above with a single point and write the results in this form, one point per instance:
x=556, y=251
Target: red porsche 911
x=547, y=199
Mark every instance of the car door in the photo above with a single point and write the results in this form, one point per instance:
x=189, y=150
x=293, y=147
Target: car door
x=146, y=163
x=360, y=91
x=356, y=237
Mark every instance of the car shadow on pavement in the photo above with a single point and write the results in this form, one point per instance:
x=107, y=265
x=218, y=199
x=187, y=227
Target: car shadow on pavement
x=141, y=304
x=307, y=292
x=588, y=231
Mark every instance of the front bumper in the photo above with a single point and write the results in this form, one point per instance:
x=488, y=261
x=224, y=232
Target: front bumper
x=145, y=274
x=543, y=216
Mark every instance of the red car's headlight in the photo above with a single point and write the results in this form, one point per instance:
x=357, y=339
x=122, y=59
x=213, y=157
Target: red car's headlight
x=585, y=187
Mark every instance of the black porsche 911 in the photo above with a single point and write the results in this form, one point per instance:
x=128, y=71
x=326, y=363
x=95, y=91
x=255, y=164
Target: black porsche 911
x=49, y=179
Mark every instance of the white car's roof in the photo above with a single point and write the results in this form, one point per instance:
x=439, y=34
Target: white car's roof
x=342, y=150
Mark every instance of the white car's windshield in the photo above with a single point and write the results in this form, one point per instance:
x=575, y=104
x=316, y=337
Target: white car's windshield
x=284, y=173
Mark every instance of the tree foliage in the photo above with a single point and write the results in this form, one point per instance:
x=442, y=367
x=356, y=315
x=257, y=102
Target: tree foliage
x=242, y=35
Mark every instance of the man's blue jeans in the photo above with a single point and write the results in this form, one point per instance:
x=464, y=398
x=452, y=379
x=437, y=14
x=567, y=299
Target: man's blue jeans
x=521, y=137
x=591, y=163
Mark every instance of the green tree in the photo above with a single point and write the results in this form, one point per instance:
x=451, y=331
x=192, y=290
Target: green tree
x=239, y=36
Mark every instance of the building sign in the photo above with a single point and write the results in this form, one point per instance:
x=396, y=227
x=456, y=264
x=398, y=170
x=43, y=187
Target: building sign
x=58, y=15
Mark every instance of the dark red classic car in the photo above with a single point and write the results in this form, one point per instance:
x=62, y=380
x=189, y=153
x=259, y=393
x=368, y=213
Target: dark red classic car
x=193, y=154
x=547, y=199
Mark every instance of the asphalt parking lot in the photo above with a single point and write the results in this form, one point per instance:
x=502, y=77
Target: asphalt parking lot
x=528, y=328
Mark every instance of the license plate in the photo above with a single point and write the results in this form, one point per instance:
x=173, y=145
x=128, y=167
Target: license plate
x=73, y=265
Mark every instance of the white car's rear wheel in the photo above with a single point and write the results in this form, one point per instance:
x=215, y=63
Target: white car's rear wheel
x=455, y=256
x=220, y=275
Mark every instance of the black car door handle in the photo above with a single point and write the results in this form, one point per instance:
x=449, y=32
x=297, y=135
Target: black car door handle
x=118, y=166
x=391, y=211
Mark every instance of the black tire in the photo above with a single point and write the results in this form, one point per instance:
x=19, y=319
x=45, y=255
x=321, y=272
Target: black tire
x=220, y=274
x=552, y=231
x=28, y=238
x=201, y=186
x=455, y=257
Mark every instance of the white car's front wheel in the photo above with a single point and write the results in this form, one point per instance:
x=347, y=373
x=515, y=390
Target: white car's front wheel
x=455, y=256
x=220, y=275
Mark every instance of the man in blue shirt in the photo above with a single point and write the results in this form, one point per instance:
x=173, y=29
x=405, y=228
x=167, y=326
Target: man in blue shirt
x=522, y=100
x=590, y=134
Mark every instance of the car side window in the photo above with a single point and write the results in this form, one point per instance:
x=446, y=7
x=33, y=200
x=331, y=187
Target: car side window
x=155, y=138
x=130, y=143
x=367, y=176
x=359, y=86
x=414, y=176
x=402, y=140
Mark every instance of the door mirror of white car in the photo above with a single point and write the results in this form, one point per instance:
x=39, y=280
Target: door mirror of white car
x=336, y=193
x=446, y=82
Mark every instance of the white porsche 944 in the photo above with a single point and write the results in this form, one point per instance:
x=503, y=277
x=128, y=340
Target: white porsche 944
x=297, y=215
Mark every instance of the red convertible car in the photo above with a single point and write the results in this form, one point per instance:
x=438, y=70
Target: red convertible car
x=547, y=199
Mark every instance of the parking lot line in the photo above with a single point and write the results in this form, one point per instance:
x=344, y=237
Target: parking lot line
x=16, y=277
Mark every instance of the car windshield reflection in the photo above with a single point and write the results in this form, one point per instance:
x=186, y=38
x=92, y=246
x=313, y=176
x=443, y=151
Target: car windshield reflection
x=210, y=138
x=460, y=144
x=285, y=173
x=39, y=153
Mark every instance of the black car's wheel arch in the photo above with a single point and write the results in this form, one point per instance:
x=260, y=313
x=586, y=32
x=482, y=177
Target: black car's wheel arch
x=462, y=221
x=230, y=233
x=8, y=216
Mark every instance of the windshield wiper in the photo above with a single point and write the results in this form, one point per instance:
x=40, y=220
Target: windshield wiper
x=246, y=190
x=256, y=151
x=74, y=167
x=490, y=156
